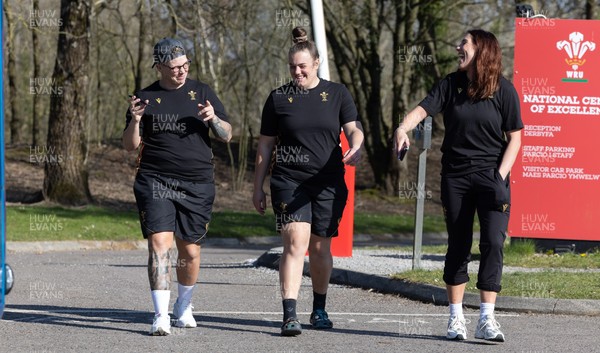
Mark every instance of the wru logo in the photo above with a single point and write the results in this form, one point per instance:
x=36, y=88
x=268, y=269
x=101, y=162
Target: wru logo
x=575, y=48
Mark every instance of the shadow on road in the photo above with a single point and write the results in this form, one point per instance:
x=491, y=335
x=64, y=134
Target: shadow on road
x=85, y=318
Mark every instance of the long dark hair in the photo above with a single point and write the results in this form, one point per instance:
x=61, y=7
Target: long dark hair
x=487, y=65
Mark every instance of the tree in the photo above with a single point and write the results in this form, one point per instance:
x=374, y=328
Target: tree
x=354, y=32
x=141, y=15
x=65, y=174
x=389, y=53
x=16, y=118
x=232, y=55
x=37, y=107
x=590, y=9
x=359, y=35
x=249, y=46
x=239, y=48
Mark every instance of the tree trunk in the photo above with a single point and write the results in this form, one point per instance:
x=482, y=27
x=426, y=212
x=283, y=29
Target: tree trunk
x=360, y=69
x=37, y=102
x=102, y=130
x=355, y=31
x=590, y=9
x=66, y=176
x=238, y=182
x=16, y=118
x=172, y=14
x=141, y=58
x=400, y=74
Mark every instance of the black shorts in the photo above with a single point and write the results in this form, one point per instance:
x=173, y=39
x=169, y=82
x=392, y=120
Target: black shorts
x=171, y=205
x=319, y=203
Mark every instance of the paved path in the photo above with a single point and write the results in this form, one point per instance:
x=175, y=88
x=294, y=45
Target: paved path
x=98, y=301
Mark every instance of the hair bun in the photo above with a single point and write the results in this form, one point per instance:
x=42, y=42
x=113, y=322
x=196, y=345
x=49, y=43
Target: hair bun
x=299, y=35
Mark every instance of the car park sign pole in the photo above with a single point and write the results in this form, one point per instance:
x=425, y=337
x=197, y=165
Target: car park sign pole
x=2, y=184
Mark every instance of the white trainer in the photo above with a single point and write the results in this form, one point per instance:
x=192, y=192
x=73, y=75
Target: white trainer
x=183, y=314
x=161, y=325
x=457, y=328
x=489, y=329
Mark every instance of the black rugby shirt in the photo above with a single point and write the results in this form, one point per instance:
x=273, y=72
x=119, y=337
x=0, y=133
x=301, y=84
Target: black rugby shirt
x=308, y=124
x=474, y=139
x=175, y=142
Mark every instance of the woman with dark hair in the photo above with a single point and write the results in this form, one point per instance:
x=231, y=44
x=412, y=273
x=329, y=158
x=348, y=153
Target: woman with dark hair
x=482, y=138
x=302, y=121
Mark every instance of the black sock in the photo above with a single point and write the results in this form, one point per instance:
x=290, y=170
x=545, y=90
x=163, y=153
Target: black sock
x=319, y=301
x=289, y=309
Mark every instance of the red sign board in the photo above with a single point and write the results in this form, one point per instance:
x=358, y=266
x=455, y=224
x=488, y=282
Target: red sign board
x=341, y=246
x=556, y=178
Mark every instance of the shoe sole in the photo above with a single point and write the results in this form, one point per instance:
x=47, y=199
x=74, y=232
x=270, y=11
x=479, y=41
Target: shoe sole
x=290, y=333
x=457, y=338
x=182, y=325
x=179, y=324
x=325, y=325
x=498, y=338
x=160, y=332
x=291, y=328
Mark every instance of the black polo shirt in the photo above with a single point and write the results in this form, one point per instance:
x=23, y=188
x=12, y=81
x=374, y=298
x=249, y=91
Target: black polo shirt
x=308, y=123
x=175, y=142
x=474, y=139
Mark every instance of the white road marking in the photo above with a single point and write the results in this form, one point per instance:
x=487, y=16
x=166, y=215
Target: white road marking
x=259, y=313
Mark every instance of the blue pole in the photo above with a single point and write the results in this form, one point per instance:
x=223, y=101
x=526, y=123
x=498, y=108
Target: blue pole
x=2, y=180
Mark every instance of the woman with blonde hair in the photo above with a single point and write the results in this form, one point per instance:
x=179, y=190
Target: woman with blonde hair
x=301, y=121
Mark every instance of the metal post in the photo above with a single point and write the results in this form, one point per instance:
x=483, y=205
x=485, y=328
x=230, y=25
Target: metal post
x=422, y=136
x=2, y=181
x=419, y=210
x=318, y=26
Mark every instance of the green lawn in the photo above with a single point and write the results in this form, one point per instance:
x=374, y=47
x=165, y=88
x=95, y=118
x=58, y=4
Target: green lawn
x=40, y=223
x=550, y=283
x=523, y=254
x=545, y=284
x=37, y=223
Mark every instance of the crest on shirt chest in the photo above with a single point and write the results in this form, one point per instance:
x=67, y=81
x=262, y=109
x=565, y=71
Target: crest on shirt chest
x=324, y=96
x=192, y=95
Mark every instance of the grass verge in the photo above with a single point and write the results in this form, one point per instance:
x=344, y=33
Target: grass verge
x=523, y=254
x=548, y=283
x=49, y=223
x=54, y=223
x=544, y=284
x=40, y=223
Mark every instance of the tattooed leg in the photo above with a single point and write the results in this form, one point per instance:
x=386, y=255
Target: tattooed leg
x=159, y=265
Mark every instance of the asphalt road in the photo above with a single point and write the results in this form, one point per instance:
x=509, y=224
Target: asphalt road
x=98, y=301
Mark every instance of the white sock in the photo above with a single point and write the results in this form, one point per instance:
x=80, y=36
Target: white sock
x=185, y=293
x=161, y=298
x=456, y=310
x=486, y=309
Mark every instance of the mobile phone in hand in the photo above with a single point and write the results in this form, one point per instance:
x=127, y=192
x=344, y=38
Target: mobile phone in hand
x=402, y=152
x=141, y=102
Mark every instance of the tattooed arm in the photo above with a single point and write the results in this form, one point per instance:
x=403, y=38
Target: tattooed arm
x=220, y=128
